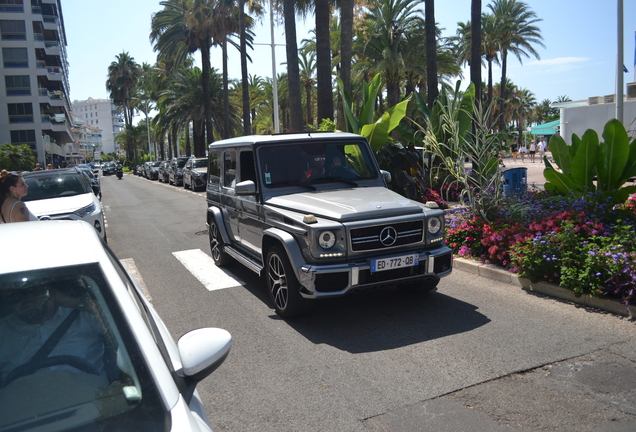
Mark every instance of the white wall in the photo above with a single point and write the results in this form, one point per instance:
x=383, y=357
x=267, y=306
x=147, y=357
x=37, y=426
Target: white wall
x=576, y=120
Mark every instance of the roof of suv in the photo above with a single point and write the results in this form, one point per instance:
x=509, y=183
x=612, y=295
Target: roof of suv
x=256, y=139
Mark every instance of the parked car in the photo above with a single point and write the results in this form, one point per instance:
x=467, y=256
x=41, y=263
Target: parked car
x=175, y=171
x=108, y=168
x=94, y=180
x=139, y=170
x=152, y=170
x=313, y=213
x=162, y=172
x=114, y=365
x=64, y=194
x=195, y=173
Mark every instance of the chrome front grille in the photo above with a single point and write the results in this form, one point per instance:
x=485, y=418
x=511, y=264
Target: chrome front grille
x=386, y=235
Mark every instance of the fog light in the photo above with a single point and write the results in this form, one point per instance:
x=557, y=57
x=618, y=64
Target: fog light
x=98, y=226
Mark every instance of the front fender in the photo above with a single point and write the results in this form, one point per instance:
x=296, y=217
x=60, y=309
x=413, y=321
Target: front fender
x=290, y=244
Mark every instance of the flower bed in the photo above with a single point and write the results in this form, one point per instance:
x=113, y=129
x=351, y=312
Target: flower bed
x=577, y=243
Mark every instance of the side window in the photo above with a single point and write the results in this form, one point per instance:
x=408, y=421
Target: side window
x=248, y=170
x=229, y=168
x=214, y=173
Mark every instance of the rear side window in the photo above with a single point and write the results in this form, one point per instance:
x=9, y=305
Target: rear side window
x=229, y=168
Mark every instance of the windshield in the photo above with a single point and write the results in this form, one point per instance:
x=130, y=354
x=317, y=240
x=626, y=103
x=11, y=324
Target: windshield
x=199, y=163
x=314, y=163
x=156, y=164
x=181, y=163
x=55, y=185
x=93, y=376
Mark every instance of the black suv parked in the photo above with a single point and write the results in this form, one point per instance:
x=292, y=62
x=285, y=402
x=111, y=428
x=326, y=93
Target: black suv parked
x=313, y=213
x=175, y=171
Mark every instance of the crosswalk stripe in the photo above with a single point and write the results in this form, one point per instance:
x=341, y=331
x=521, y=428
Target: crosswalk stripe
x=203, y=268
x=131, y=268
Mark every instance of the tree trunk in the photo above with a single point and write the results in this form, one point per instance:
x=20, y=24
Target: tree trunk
x=323, y=61
x=502, y=91
x=431, y=53
x=293, y=72
x=346, y=48
x=310, y=118
x=205, y=85
x=226, y=95
x=245, y=89
x=475, y=47
x=188, y=148
x=199, y=138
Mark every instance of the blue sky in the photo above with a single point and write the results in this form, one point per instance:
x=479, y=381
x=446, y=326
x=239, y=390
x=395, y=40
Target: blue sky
x=578, y=61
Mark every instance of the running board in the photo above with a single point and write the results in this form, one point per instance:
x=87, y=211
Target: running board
x=246, y=261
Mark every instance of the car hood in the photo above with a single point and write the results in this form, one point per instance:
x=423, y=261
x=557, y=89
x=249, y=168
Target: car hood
x=348, y=204
x=55, y=206
x=200, y=170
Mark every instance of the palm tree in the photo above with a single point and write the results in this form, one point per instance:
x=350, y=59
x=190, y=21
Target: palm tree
x=255, y=8
x=186, y=26
x=387, y=23
x=517, y=34
x=123, y=76
x=307, y=60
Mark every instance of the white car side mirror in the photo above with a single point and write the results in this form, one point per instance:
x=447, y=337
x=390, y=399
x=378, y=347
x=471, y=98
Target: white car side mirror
x=202, y=351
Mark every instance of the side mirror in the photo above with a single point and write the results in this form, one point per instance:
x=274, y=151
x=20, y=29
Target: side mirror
x=202, y=351
x=246, y=187
x=386, y=176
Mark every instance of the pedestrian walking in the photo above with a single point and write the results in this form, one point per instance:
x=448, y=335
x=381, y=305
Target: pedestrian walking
x=514, y=148
x=522, y=151
x=532, y=150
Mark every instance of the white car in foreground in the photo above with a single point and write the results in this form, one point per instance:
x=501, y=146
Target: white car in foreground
x=80, y=346
x=64, y=194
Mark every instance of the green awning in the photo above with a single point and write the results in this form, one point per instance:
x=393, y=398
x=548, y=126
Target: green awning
x=550, y=128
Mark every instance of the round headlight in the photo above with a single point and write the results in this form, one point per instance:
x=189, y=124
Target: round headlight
x=434, y=225
x=327, y=239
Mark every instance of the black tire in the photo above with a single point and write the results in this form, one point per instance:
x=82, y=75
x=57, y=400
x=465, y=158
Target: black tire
x=283, y=286
x=420, y=286
x=220, y=258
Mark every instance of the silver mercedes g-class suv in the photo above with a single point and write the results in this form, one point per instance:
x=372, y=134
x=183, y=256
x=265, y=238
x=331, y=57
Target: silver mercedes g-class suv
x=312, y=214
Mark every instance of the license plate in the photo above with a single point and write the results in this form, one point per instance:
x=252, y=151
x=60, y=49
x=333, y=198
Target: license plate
x=394, y=263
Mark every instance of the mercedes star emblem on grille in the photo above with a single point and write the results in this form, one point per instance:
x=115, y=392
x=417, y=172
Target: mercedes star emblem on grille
x=388, y=236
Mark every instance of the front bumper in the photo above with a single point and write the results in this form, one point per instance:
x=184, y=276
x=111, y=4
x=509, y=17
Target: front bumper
x=318, y=281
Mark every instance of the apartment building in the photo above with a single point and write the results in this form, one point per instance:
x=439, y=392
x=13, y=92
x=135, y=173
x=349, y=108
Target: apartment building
x=102, y=114
x=34, y=87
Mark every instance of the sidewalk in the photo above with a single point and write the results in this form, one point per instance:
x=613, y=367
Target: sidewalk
x=502, y=275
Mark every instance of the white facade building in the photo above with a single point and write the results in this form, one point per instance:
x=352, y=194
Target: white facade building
x=34, y=87
x=102, y=114
x=595, y=112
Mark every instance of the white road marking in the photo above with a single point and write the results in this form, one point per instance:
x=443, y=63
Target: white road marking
x=131, y=268
x=203, y=268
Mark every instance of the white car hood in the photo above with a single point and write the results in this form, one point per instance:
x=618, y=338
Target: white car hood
x=61, y=205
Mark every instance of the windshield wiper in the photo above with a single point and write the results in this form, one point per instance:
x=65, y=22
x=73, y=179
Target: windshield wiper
x=292, y=183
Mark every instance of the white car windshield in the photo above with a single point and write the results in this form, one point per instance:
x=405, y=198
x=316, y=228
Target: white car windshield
x=68, y=361
x=55, y=185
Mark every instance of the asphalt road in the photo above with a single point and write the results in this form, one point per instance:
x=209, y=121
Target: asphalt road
x=477, y=355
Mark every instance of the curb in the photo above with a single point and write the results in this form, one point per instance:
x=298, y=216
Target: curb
x=497, y=273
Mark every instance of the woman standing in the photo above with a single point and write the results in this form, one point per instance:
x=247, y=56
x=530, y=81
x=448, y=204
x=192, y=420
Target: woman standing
x=522, y=151
x=12, y=189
